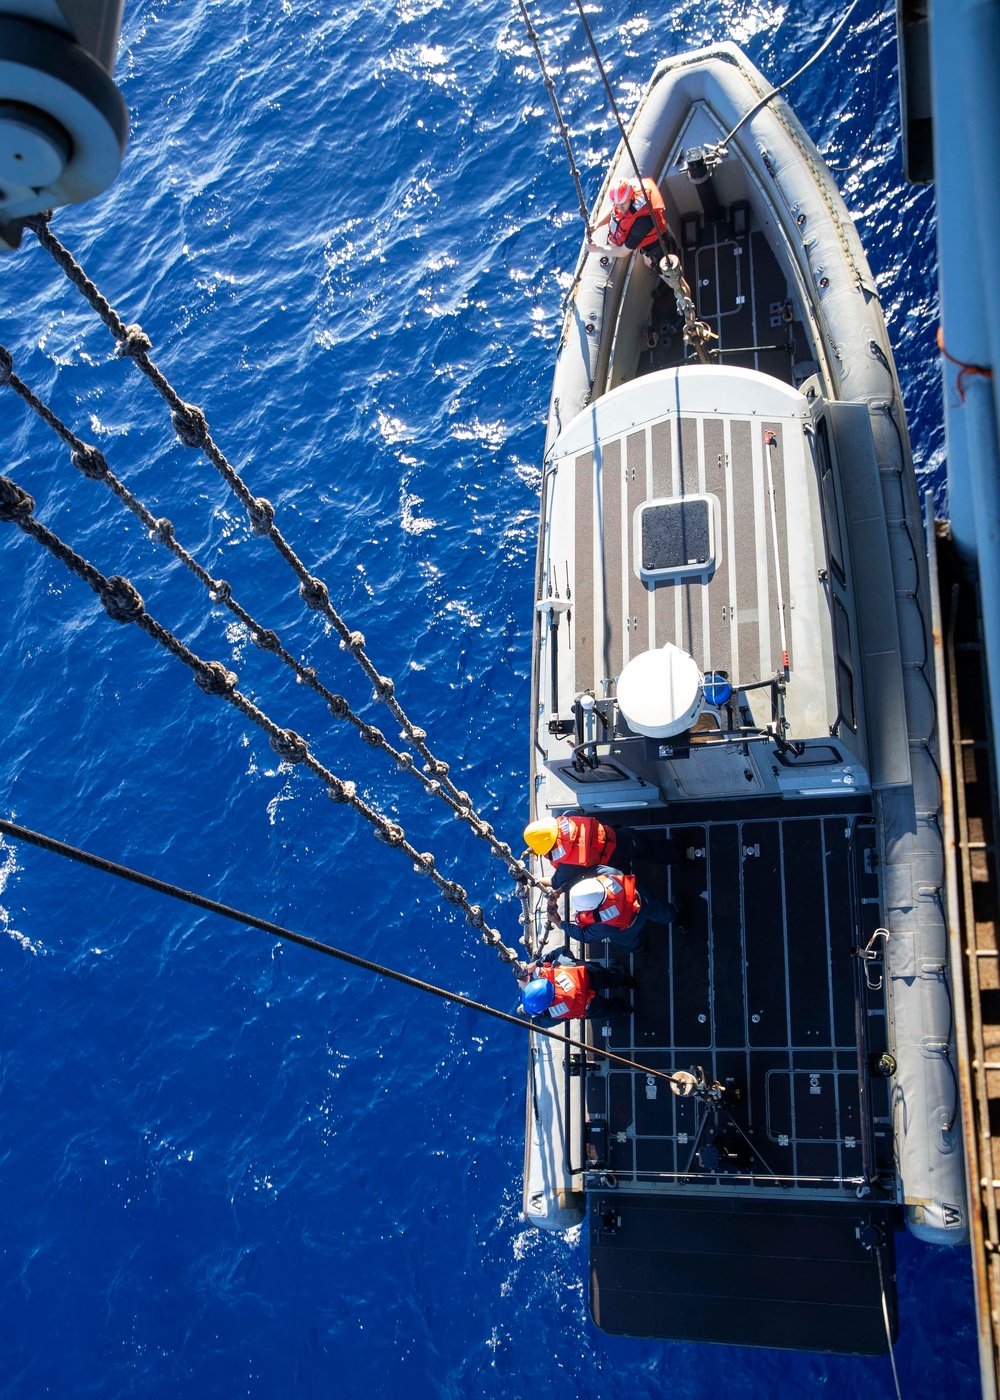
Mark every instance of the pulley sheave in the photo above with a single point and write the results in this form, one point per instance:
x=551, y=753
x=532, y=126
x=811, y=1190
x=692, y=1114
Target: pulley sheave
x=63, y=123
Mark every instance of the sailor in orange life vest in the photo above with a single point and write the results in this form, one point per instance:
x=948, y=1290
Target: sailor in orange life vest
x=562, y=989
x=577, y=844
x=637, y=219
x=609, y=904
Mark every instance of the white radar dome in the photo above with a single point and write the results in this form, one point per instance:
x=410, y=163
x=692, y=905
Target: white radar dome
x=660, y=692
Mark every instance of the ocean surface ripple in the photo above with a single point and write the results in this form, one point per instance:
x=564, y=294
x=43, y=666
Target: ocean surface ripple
x=229, y=1168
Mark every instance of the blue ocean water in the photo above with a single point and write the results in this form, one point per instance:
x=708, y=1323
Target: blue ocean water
x=229, y=1168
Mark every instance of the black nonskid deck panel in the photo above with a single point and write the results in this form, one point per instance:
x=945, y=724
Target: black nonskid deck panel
x=741, y=292
x=761, y=988
x=748, y=1273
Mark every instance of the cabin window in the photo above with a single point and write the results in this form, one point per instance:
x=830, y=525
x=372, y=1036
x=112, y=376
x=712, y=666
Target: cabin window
x=845, y=665
x=814, y=756
x=603, y=773
x=831, y=514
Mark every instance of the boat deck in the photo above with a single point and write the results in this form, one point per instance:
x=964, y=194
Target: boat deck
x=622, y=496
x=761, y=989
x=741, y=291
x=729, y=622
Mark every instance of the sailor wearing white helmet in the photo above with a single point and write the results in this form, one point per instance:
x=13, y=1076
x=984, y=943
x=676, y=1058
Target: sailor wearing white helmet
x=636, y=218
x=611, y=905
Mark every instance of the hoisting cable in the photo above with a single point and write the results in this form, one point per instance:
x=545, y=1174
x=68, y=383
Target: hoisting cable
x=697, y=333
x=92, y=463
x=859, y=157
x=885, y=1319
x=563, y=129
x=226, y=911
x=124, y=604
x=759, y=106
x=191, y=426
x=621, y=125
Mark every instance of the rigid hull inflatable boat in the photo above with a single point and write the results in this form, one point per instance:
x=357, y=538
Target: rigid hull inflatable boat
x=732, y=653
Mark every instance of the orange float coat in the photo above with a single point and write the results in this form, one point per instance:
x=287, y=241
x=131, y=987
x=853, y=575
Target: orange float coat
x=582, y=841
x=620, y=906
x=651, y=206
x=573, y=993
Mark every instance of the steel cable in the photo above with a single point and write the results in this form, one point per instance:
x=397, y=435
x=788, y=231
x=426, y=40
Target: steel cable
x=563, y=129
x=664, y=250
x=697, y=332
x=124, y=872
x=885, y=1319
x=759, y=106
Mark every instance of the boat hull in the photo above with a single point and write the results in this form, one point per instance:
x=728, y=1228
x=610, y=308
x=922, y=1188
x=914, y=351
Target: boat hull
x=841, y=365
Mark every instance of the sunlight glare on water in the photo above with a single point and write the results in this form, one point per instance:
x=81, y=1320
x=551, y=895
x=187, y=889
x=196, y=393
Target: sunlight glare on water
x=228, y=1167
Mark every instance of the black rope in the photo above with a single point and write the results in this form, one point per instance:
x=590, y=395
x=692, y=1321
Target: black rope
x=664, y=250
x=856, y=160
x=191, y=427
x=759, y=106
x=885, y=1319
x=563, y=129
x=123, y=603
x=226, y=911
x=696, y=331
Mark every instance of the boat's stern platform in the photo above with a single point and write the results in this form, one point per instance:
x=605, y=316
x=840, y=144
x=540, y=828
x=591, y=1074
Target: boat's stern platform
x=745, y=1273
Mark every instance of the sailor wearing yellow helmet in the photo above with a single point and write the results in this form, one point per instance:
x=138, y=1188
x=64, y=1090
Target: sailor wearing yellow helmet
x=574, y=845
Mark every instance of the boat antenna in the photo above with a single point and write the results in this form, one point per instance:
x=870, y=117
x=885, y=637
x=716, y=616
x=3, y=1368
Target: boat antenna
x=563, y=129
x=770, y=443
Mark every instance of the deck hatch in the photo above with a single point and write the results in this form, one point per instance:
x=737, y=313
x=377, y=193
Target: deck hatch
x=675, y=537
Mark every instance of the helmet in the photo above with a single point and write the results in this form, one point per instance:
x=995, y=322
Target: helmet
x=537, y=995
x=588, y=894
x=622, y=193
x=541, y=836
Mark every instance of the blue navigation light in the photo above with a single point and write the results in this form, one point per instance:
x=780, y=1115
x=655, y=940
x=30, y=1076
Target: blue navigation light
x=717, y=689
